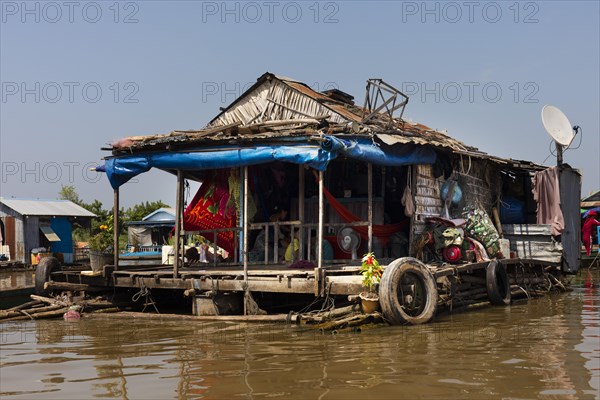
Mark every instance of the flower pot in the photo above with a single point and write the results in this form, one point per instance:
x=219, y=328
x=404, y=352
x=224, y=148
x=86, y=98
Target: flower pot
x=369, y=302
x=99, y=259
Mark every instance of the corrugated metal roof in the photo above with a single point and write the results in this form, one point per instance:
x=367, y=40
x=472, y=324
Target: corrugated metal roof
x=162, y=214
x=593, y=197
x=64, y=208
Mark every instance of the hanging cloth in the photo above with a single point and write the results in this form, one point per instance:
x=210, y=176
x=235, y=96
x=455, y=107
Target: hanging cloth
x=407, y=198
x=546, y=192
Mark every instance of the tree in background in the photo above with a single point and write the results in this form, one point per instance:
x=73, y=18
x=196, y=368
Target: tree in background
x=135, y=213
x=69, y=193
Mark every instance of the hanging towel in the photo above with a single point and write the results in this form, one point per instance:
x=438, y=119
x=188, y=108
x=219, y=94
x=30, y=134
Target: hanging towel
x=407, y=198
x=546, y=192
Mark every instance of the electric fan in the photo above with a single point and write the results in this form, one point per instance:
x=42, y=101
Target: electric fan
x=348, y=240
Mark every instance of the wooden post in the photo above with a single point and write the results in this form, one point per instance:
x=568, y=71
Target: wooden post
x=116, y=229
x=411, y=174
x=383, y=172
x=301, y=212
x=239, y=257
x=276, y=242
x=320, y=232
x=178, y=224
x=246, y=221
x=370, y=206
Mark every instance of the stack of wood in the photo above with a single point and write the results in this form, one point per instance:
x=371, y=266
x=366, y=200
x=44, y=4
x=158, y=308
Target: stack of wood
x=343, y=318
x=468, y=290
x=45, y=307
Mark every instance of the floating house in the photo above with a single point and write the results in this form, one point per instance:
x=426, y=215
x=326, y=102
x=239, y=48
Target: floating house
x=153, y=230
x=590, y=202
x=29, y=224
x=297, y=185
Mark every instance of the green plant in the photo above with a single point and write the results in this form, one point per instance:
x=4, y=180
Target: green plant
x=103, y=240
x=370, y=270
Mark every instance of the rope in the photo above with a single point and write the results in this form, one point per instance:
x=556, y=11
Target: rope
x=144, y=291
x=328, y=304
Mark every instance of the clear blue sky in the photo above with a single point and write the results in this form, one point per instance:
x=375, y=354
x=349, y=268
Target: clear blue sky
x=79, y=75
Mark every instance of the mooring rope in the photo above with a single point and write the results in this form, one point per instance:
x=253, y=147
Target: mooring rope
x=144, y=291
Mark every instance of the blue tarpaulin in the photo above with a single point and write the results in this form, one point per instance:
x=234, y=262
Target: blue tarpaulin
x=368, y=151
x=119, y=170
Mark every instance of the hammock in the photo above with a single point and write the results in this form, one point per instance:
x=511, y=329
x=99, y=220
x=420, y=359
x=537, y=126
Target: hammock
x=211, y=209
x=383, y=232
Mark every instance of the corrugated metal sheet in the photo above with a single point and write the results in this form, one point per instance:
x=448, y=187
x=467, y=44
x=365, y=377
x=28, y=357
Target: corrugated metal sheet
x=570, y=192
x=10, y=239
x=64, y=208
x=64, y=230
x=29, y=236
x=162, y=214
x=533, y=242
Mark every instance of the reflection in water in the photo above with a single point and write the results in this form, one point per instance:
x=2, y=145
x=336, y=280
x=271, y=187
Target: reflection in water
x=548, y=348
x=16, y=279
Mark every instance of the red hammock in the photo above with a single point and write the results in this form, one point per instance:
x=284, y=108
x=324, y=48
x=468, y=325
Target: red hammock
x=210, y=210
x=383, y=232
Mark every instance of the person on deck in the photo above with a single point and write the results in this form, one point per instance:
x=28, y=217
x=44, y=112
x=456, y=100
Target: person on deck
x=278, y=214
x=292, y=255
x=586, y=232
x=327, y=249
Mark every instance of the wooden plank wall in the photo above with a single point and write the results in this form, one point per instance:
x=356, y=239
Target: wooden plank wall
x=426, y=191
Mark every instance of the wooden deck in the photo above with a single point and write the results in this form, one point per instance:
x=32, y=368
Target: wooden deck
x=333, y=280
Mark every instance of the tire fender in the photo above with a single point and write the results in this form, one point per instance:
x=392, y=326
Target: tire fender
x=415, y=305
x=43, y=270
x=497, y=284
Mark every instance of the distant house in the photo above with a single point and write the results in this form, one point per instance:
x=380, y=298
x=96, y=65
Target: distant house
x=28, y=224
x=154, y=229
x=591, y=201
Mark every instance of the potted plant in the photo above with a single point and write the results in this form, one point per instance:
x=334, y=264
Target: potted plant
x=371, y=272
x=101, y=246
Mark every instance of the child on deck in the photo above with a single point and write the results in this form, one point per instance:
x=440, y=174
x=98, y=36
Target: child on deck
x=586, y=231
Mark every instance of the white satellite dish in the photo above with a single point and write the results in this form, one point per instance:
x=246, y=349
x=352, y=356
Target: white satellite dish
x=557, y=125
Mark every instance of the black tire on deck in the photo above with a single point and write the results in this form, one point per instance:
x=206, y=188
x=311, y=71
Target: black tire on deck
x=42, y=273
x=497, y=284
x=407, y=292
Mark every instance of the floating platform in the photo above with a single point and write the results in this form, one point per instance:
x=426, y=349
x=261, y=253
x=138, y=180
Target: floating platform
x=409, y=292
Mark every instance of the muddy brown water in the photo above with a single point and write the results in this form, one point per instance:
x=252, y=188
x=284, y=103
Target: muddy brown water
x=15, y=287
x=548, y=348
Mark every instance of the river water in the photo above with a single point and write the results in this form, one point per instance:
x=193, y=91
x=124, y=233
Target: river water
x=548, y=348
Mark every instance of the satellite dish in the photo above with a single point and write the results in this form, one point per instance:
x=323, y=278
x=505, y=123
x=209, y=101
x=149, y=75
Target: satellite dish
x=349, y=241
x=557, y=125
